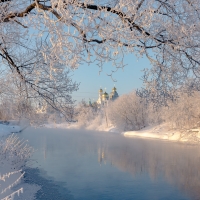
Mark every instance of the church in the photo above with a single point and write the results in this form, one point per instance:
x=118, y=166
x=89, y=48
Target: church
x=104, y=97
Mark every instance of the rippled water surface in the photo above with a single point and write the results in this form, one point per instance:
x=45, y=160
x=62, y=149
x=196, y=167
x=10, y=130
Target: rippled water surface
x=88, y=165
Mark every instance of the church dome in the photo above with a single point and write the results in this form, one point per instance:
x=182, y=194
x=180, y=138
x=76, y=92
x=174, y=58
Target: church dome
x=105, y=95
x=114, y=95
x=114, y=89
x=100, y=90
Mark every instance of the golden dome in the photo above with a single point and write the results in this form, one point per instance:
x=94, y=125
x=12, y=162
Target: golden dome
x=105, y=95
x=114, y=89
x=100, y=90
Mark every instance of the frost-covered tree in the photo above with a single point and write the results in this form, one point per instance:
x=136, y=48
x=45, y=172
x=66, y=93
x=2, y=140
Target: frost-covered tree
x=184, y=113
x=128, y=112
x=19, y=99
x=86, y=113
x=39, y=37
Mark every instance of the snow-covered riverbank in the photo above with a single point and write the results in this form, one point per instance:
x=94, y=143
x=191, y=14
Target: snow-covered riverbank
x=160, y=132
x=14, y=154
x=8, y=129
x=155, y=132
x=12, y=172
x=164, y=132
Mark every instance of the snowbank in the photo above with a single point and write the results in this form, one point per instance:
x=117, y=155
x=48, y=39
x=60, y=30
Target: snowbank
x=12, y=185
x=8, y=129
x=163, y=132
x=12, y=126
x=13, y=155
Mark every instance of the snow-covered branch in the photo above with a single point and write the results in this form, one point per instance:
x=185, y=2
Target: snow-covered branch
x=71, y=32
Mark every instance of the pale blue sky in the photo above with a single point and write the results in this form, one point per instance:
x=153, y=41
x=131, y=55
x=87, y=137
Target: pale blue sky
x=127, y=79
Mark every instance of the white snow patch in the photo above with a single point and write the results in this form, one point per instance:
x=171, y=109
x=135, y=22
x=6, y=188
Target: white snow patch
x=11, y=175
x=8, y=129
x=29, y=191
x=163, y=132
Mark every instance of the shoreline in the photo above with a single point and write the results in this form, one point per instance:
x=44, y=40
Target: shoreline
x=18, y=180
x=160, y=132
x=14, y=154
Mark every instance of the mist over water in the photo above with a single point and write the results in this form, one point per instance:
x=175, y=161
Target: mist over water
x=80, y=164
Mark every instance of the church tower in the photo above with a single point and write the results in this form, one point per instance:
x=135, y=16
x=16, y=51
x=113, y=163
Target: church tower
x=104, y=97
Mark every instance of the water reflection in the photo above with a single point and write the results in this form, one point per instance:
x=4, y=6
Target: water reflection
x=178, y=163
x=90, y=163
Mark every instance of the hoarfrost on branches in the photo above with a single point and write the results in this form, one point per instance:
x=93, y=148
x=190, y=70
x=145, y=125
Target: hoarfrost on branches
x=70, y=32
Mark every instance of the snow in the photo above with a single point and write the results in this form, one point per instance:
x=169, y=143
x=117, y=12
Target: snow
x=12, y=185
x=8, y=129
x=155, y=132
x=163, y=132
x=11, y=178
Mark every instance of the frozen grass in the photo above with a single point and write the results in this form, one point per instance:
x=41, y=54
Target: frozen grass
x=14, y=153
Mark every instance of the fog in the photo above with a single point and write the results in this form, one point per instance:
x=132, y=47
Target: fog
x=81, y=152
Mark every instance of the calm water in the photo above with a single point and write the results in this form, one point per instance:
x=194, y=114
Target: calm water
x=86, y=165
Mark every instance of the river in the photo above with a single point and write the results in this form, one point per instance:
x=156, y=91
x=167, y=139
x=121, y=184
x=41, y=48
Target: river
x=89, y=165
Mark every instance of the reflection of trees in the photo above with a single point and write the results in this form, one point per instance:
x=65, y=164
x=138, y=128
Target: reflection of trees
x=178, y=163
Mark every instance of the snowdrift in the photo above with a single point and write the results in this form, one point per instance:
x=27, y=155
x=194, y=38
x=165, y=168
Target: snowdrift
x=163, y=132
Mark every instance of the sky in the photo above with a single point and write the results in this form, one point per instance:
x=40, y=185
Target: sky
x=91, y=81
